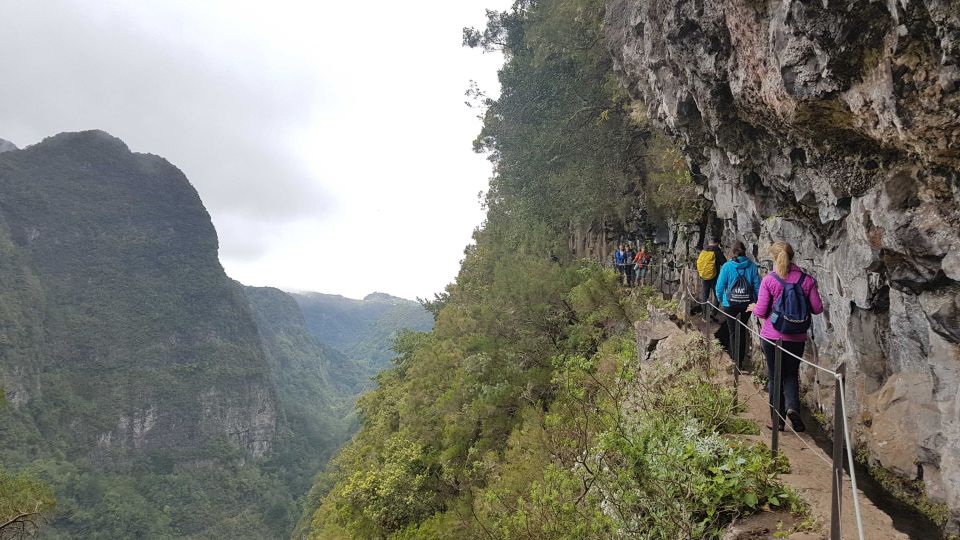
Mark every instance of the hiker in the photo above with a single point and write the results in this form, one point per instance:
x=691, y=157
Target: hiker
x=787, y=299
x=738, y=286
x=642, y=262
x=628, y=258
x=708, y=266
x=618, y=262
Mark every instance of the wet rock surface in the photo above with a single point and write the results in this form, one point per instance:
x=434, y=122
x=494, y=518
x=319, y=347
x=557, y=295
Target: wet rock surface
x=834, y=126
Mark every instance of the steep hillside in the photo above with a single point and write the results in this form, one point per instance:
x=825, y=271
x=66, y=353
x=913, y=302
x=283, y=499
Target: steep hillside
x=316, y=387
x=362, y=329
x=115, y=262
x=132, y=366
x=834, y=126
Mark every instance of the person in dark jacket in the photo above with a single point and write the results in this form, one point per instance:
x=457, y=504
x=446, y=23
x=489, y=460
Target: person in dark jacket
x=628, y=256
x=730, y=273
x=618, y=262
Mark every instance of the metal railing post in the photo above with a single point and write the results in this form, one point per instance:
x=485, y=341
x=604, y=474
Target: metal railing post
x=705, y=307
x=661, y=276
x=737, y=342
x=838, y=431
x=736, y=356
x=777, y=389
x=709, y=338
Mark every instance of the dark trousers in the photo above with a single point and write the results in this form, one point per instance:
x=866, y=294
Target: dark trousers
x=709, y=287
x=630, y=275
x=789, y=374
x=736, y=329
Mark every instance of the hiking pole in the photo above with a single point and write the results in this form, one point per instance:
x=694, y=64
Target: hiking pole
x=777, y=388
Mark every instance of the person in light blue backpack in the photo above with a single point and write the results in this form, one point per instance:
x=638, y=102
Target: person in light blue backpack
x=738, y=286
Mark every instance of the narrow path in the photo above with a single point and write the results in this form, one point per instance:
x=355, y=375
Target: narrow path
x=810, y=466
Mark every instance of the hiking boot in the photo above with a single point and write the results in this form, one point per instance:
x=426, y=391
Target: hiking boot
x=795, y=421
x=770, y=426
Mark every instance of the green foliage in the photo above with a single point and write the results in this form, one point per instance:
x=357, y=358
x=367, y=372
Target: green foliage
x=910, y=492
x=572, y=151
x=25, y=503
x=524, y=415
x=548, y=507
x=561, y=137
x=213, y=497
x=670, y=189
x=400, y=492
x=656, y=457
x=363, y=330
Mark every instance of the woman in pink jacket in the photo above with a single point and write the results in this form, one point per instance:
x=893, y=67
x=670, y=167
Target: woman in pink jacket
x=785, y=274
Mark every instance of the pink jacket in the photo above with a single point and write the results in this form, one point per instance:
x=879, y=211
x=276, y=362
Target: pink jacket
x=770, y=291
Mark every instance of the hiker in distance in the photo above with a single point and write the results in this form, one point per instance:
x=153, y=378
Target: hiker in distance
x=738, y=287
x=709, y=262
x=628, y=264
x=788, y=298
x=642, y=261
x=618, y=262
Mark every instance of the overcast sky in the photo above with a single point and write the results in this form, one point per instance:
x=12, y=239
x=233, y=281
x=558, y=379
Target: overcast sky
x=329, y=140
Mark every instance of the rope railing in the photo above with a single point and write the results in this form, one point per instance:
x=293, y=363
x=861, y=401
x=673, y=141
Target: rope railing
x=840, y=414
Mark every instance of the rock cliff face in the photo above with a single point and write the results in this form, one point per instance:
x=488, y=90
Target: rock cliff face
x=119, y=330
x=833, y=125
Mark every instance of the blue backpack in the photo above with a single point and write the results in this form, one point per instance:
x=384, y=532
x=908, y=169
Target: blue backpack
x=791, y=312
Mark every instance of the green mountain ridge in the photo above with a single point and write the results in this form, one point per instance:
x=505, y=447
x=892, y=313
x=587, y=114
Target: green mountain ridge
x=157, y=396
x=362, y=329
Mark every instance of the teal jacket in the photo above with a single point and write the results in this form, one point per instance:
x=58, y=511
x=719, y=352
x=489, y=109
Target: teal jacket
x=728, y=274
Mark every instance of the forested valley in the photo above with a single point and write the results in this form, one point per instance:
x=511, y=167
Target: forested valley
x=147, y=395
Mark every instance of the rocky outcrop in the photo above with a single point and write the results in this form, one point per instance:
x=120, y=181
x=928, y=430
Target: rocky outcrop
x=6, y=146
x=835, y=126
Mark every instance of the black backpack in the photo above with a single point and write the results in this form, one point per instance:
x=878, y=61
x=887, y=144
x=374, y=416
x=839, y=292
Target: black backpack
x=740, y=292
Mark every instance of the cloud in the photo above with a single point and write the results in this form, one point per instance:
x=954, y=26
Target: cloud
x=328, y=140
x=226, y=121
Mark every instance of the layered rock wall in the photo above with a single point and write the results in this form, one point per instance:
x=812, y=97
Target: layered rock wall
x=834, y=125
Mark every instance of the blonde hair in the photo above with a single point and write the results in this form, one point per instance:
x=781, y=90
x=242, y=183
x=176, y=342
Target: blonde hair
x=782, y=254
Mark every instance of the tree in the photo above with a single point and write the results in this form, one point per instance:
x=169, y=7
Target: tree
x=566, y=151
x=24, y=504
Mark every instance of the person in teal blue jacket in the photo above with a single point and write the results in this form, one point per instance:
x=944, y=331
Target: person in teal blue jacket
x=736, y=303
